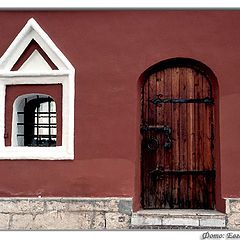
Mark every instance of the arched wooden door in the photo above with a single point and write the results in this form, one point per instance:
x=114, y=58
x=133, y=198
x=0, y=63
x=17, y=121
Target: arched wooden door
x=177, y=140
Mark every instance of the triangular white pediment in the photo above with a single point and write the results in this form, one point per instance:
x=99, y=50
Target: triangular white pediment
x=32, y=31
x=35, y=63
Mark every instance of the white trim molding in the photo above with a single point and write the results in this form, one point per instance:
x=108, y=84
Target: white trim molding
x=65, y=75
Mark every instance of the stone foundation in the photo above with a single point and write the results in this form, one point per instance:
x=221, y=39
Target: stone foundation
x=65, y=213
x=233, y=213
x=101, y=214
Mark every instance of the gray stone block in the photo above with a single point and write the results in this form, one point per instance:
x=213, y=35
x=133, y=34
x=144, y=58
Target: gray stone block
x=94, y=205
x=117, y=221
x=180, y=221
x=4, y=221
x=213, y=222
x=234, y=221
x=21, y=206
x=98, y=221
x=235, y=206
x=140, y=220
x=22, y=222
x=125, y=207
x=52, y=221
x=56, y=206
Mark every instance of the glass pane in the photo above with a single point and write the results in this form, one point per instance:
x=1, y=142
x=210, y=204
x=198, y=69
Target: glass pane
x=45, y=130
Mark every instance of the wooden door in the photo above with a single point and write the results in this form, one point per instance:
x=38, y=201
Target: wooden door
x=177, y=140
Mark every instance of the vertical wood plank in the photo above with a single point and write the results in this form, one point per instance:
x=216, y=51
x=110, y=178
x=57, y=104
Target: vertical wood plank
x=190, y=135
x=160, y=151
x=207, y=112
x=195, y=193
x=145, y=107
x=183, y=135
x=175, y=134
x=168, y=123
x=199, y=143
x=152, y=92
x=145, y=103
x=207, y=142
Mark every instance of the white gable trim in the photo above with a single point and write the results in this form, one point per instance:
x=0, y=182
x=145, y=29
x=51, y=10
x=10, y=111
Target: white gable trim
x=65, y=76
x=33, y=31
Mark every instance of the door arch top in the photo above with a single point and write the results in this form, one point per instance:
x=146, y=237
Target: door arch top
x=184, y=62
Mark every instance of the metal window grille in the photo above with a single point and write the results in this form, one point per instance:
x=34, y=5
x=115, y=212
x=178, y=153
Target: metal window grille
x=40, y=126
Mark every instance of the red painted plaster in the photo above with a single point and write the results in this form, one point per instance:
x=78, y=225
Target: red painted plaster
x=110, y=50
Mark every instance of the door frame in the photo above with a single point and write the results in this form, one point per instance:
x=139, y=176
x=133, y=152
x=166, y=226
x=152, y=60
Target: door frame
x=186, y=62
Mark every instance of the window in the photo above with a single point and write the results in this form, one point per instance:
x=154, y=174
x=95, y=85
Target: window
x=37, y=121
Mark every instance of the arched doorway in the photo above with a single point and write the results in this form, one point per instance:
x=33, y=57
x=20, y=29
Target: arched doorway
x=178, y=167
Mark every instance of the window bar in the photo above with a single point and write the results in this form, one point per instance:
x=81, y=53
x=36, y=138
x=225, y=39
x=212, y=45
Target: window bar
x=45, y=125
x=24, y=123
x=38, y=121
x=49, y=121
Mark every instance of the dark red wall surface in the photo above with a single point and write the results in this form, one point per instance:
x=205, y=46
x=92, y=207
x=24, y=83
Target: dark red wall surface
x=110, y=50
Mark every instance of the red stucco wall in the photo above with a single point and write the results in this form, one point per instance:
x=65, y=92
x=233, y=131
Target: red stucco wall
x=110, y=50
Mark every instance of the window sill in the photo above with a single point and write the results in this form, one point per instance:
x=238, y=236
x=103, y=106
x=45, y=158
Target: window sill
x=35, y=153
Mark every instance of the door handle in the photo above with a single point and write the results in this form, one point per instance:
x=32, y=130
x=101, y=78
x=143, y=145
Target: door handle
x=152, y=144
x=168, y=143
x=153, y=141
x=167, y=132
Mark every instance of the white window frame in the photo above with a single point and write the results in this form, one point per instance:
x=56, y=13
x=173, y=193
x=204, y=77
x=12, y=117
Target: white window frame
x=65, y=75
